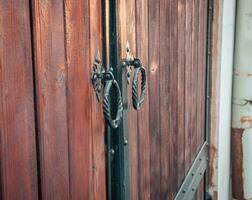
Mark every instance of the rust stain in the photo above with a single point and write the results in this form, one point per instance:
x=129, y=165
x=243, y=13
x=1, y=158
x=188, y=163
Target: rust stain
x=214, y=195
x=243, y=74
x=215, y=43
x=212, y=160
x=237, y=163
x=246, y=120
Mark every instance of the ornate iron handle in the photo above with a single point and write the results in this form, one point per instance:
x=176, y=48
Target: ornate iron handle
x=137, y=102
x=114, y=123
x=102, y=78
x=138, y=68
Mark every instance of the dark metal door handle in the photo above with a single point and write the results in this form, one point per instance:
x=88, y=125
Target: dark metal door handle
x=137, y=100
x=114, y=123
x=102, y=78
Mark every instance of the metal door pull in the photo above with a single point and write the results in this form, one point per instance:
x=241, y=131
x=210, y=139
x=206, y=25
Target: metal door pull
x=138, y=69
x=102, y=78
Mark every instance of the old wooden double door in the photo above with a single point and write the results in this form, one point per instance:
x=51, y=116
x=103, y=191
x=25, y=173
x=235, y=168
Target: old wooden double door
x=53, y=137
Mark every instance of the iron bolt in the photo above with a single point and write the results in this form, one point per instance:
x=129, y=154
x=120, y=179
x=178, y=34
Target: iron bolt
x=125, y=142
x=112, y=151
x=95, y=76
x=124, y=64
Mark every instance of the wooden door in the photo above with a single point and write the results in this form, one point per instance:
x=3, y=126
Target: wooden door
x=18, y=159
x=51, y=126
x=67, y=36
x=165, y=136
x=52, y=129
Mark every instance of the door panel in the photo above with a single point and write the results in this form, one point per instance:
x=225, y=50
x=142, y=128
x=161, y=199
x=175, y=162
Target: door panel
x=47, y=51
x=167, y=133
x=143, y=142
x=127, y=33
x=67, y=36
x=51, y=83
x=18, y=169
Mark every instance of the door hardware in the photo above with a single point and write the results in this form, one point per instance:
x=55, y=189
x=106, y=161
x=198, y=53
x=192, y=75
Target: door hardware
x=136, y=63
x=104, y=79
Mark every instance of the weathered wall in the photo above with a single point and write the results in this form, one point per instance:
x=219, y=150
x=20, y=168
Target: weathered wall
x=242, y=104
x=221, y=90
x=214, y=105
x=226, y=69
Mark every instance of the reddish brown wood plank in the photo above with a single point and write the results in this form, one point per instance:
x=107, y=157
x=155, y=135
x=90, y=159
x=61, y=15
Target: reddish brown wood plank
x=98, y=152
x=51, y=75
x=200, y=191
x=202, y=68
x=175, y=106
x=127, y=34
x=202, y=53
x=201, y=75
x=166, y=98
x=143, y=114
x=188, y=87
x=83, y=183
x=154, y=97
x=132, y=114
x=18, y=168
x=181, y=90
x=194, y=80
x=174, y=96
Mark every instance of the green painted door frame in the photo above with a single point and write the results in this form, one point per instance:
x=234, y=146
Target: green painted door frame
x=116, y=139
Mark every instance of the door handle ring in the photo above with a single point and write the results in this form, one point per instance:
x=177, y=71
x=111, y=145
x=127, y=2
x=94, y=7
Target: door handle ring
x=109, y=85
x=103, y=79
x=136, y=100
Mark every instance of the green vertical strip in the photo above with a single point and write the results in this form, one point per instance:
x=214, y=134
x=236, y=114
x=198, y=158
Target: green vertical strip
x=118, y=177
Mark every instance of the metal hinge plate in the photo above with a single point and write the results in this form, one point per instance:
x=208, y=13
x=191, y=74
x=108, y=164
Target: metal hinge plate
x=194, y=176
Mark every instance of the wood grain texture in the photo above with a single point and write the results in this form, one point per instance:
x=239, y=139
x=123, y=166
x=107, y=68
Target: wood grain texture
x=98, y=132
x=51, y=83
x=18, y=170
x=78, y=97
x=202, y=61
x=144, y=183
x=181, y=90
x=86, y=132
x=194, y=79
x=176, y=99
x=188, y=88
x=202, y=50
x=130, y=30
x=165, y=84
x=154, y=100
x=127, y=34
x=173, y=102
x=68, y=35
x=164, y=136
